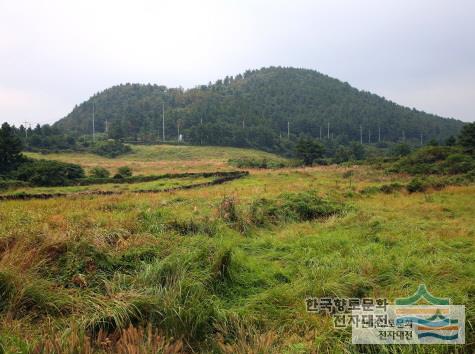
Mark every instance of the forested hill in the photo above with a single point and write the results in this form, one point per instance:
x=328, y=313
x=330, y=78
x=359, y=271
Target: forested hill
x=255, y=109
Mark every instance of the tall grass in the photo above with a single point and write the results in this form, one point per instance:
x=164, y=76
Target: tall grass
x=194, y=271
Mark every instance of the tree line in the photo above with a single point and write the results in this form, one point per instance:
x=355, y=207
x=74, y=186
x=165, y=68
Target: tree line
x=269, y=109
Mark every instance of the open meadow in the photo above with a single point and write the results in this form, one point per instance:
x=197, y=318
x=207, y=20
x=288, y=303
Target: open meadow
x=155, y=159
x=225, y=268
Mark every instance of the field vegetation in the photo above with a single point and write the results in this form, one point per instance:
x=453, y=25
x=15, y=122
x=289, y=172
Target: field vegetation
x=226, y=268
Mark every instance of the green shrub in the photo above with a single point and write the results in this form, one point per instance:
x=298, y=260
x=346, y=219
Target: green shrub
x=110, y=148
x=416, y=185
x=459, y=163
x=307, y=206
x=258, y=163
x=99, y=172
x=6, y=184
x=370, y=190
x=264, y=211
x=48, y=172
x=426, y=160
x=399, y=150
x=123, y=172
x=390, y=188
x=302, y=206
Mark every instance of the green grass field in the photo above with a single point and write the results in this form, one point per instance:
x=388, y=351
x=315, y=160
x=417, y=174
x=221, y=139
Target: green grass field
x=156, y=159
x=160, y=184
x=219, y=269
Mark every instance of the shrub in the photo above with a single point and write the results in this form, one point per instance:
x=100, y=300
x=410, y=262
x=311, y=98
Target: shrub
x=48, y=172
x=390, y=188
x=308, y=150
x=459, y=163
x=370, y=190
x=111, y=148
x=6, y=184
x=426, y=160
x=307, y=206
x=256, y=163
x=99, y=172
x=467, y=138
x=302, y=206
x=123, y=172
x=416, y=185
x=400, y=150
x=264, y=211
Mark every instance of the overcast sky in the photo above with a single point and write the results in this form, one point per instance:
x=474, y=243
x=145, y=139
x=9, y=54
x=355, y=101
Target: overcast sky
x=55, y=54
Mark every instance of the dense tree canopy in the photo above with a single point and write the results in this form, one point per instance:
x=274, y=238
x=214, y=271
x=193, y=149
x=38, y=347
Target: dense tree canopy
x=10, y=149
x=264, y=108
x=467, y=137
x=308, y=150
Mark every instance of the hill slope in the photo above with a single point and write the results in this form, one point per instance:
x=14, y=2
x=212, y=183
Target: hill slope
x=254, y=109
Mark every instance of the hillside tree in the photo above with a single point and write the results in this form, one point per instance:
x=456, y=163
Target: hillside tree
x=308, y=150
x=10, y=149
x=467, y=137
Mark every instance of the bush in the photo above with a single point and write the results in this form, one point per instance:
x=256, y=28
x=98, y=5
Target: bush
x=459, y=163
x=416, y=185
x=390, y=188
x=256, y=163
x=110, y=148
x=48, y=172
x=302, y=206
x=99, y=172
x=400, y=150
x=123, y=172
x=426, y=160
x=6, y=184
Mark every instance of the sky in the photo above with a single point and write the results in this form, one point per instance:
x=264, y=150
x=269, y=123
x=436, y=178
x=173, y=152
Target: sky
x=55, y=54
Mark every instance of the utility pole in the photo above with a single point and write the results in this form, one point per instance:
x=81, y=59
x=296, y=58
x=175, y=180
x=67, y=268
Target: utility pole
x=243, y=124
x=328, y=131
x=26, y=129
x=178, y=127
x=369, y=136
x=288, y=130
x=379, y=134
x=421, y=139
x=93, y=121
x=163, y=122
x=361, y=135
x=107, y=127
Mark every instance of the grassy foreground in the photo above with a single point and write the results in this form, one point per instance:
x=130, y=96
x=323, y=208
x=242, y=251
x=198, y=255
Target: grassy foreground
x=227, y=268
